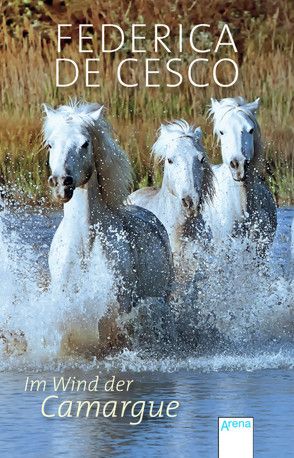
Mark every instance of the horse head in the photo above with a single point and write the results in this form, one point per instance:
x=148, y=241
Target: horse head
x=237, y=129
x=68, y=137
x=179, y=145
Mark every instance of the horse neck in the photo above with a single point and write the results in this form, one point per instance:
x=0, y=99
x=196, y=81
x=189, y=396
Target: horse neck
x=86, y=207
x=244, y=191
x=171, y=213
x=229, y=194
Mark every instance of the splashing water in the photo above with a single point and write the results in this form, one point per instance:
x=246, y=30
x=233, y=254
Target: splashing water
x=236, y=312
x=35, y=320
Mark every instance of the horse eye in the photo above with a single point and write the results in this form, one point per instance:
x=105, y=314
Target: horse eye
x=170, y=161
x=221, y=132
x=49, y=146
x=85, y=145
x=251, y=131
x=202, y=160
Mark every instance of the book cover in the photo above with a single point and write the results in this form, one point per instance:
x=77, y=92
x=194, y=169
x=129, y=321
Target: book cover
x=146, y=228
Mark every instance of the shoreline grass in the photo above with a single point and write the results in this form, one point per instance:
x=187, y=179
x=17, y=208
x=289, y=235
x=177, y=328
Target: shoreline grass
x=27, y=79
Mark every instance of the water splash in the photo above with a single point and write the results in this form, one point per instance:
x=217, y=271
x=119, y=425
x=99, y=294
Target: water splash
x=234, y=312
x=42, y=320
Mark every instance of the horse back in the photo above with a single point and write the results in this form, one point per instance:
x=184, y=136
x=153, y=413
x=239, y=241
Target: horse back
x=149, y=242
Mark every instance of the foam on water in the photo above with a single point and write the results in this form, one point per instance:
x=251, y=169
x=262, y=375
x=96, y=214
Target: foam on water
x=236, y=314
x=132, y=361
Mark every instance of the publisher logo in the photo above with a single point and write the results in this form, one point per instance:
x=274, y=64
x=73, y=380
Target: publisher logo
x=235, y=437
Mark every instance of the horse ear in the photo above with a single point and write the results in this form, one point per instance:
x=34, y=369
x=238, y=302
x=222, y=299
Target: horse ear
x=47, y=109
x=214, y=104
x=96, y=114
x=198, y=134
x=253, y=106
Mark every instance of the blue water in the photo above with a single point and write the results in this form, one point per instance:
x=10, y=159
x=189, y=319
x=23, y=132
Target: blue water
x=266, y=395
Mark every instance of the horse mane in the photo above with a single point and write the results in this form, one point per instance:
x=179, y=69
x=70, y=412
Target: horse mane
x=224, y=106
x=113, y=167
x=173, y=131
x=169, y=132
x=230, y=104
x=114, y=172
x=208, y=189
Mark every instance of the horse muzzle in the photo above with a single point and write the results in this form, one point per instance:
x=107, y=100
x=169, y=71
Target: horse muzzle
x=190, y=205
x=237, y=170
x=62, y=187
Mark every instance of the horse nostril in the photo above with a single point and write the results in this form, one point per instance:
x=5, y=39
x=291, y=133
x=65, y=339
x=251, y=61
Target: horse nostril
x=234, y=164
x=187, y=202
x=52, y=181
x=67, y=181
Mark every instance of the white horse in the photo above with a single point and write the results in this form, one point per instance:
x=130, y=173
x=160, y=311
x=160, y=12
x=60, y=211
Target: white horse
x=187, y=184
x=242, y=201
x=91, y=176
